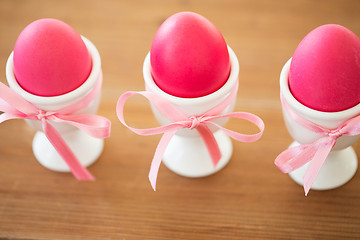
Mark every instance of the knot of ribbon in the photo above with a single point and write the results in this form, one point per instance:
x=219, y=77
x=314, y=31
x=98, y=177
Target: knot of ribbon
x=180, y=120
x=335, y=134
x=316, y=152
x=194, y=122
x=15, y=106
x=44, y=115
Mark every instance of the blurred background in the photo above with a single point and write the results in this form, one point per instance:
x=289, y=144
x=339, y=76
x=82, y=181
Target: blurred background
x=263, y=34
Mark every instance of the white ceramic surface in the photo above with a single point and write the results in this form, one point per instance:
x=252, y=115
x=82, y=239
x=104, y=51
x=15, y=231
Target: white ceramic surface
x=86, y=148
x=186, y=153
x=341, y=164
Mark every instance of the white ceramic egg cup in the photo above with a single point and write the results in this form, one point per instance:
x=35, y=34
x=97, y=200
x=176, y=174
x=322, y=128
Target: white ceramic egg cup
x=341, y=164
x=86, y=148
x=186, y=153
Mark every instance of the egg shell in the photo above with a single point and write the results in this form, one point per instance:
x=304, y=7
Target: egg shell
x=50, y=58
x=325, y=69
x=189, y=56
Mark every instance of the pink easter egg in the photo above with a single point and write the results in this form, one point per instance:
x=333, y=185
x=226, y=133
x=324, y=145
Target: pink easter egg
x=325, y=69
x=189, y=56
x=50, y=58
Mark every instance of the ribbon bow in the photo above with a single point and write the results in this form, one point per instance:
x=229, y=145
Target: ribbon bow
x=14, y=106
x=180, y=120
x=295, y=157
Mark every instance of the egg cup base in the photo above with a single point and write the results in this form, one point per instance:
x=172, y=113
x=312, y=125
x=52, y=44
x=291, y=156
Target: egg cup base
x=340, y=166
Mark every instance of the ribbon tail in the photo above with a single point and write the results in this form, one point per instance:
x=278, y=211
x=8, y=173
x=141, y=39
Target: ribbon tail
x=316, y=164
x=80, y=172
x=155, y=164
x=210, y=142
x=295, y=157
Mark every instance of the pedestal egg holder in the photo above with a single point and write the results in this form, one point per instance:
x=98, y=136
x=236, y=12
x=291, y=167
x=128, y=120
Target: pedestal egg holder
x=182, y=149
x=321, y=157
x=66, y=114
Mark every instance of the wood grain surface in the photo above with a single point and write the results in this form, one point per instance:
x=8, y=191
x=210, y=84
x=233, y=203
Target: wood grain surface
x=249, y=199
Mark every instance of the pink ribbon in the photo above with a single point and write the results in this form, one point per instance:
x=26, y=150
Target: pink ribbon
x=295, y=157
x=180, y=120
x=14, y=107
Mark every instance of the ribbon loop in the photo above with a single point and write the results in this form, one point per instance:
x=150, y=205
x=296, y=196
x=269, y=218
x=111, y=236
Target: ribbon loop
x=180, y=120
x=14, y=106
x=316, y=152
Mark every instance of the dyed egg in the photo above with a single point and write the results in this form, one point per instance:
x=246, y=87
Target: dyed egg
x=189, y=56
x=325, y=69
x=50, y=58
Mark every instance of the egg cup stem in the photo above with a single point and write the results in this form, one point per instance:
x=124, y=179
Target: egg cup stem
x=85, y=147
x=189, y=156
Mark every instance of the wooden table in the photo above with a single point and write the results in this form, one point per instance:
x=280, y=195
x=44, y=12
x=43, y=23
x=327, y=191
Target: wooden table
x=249, y=199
